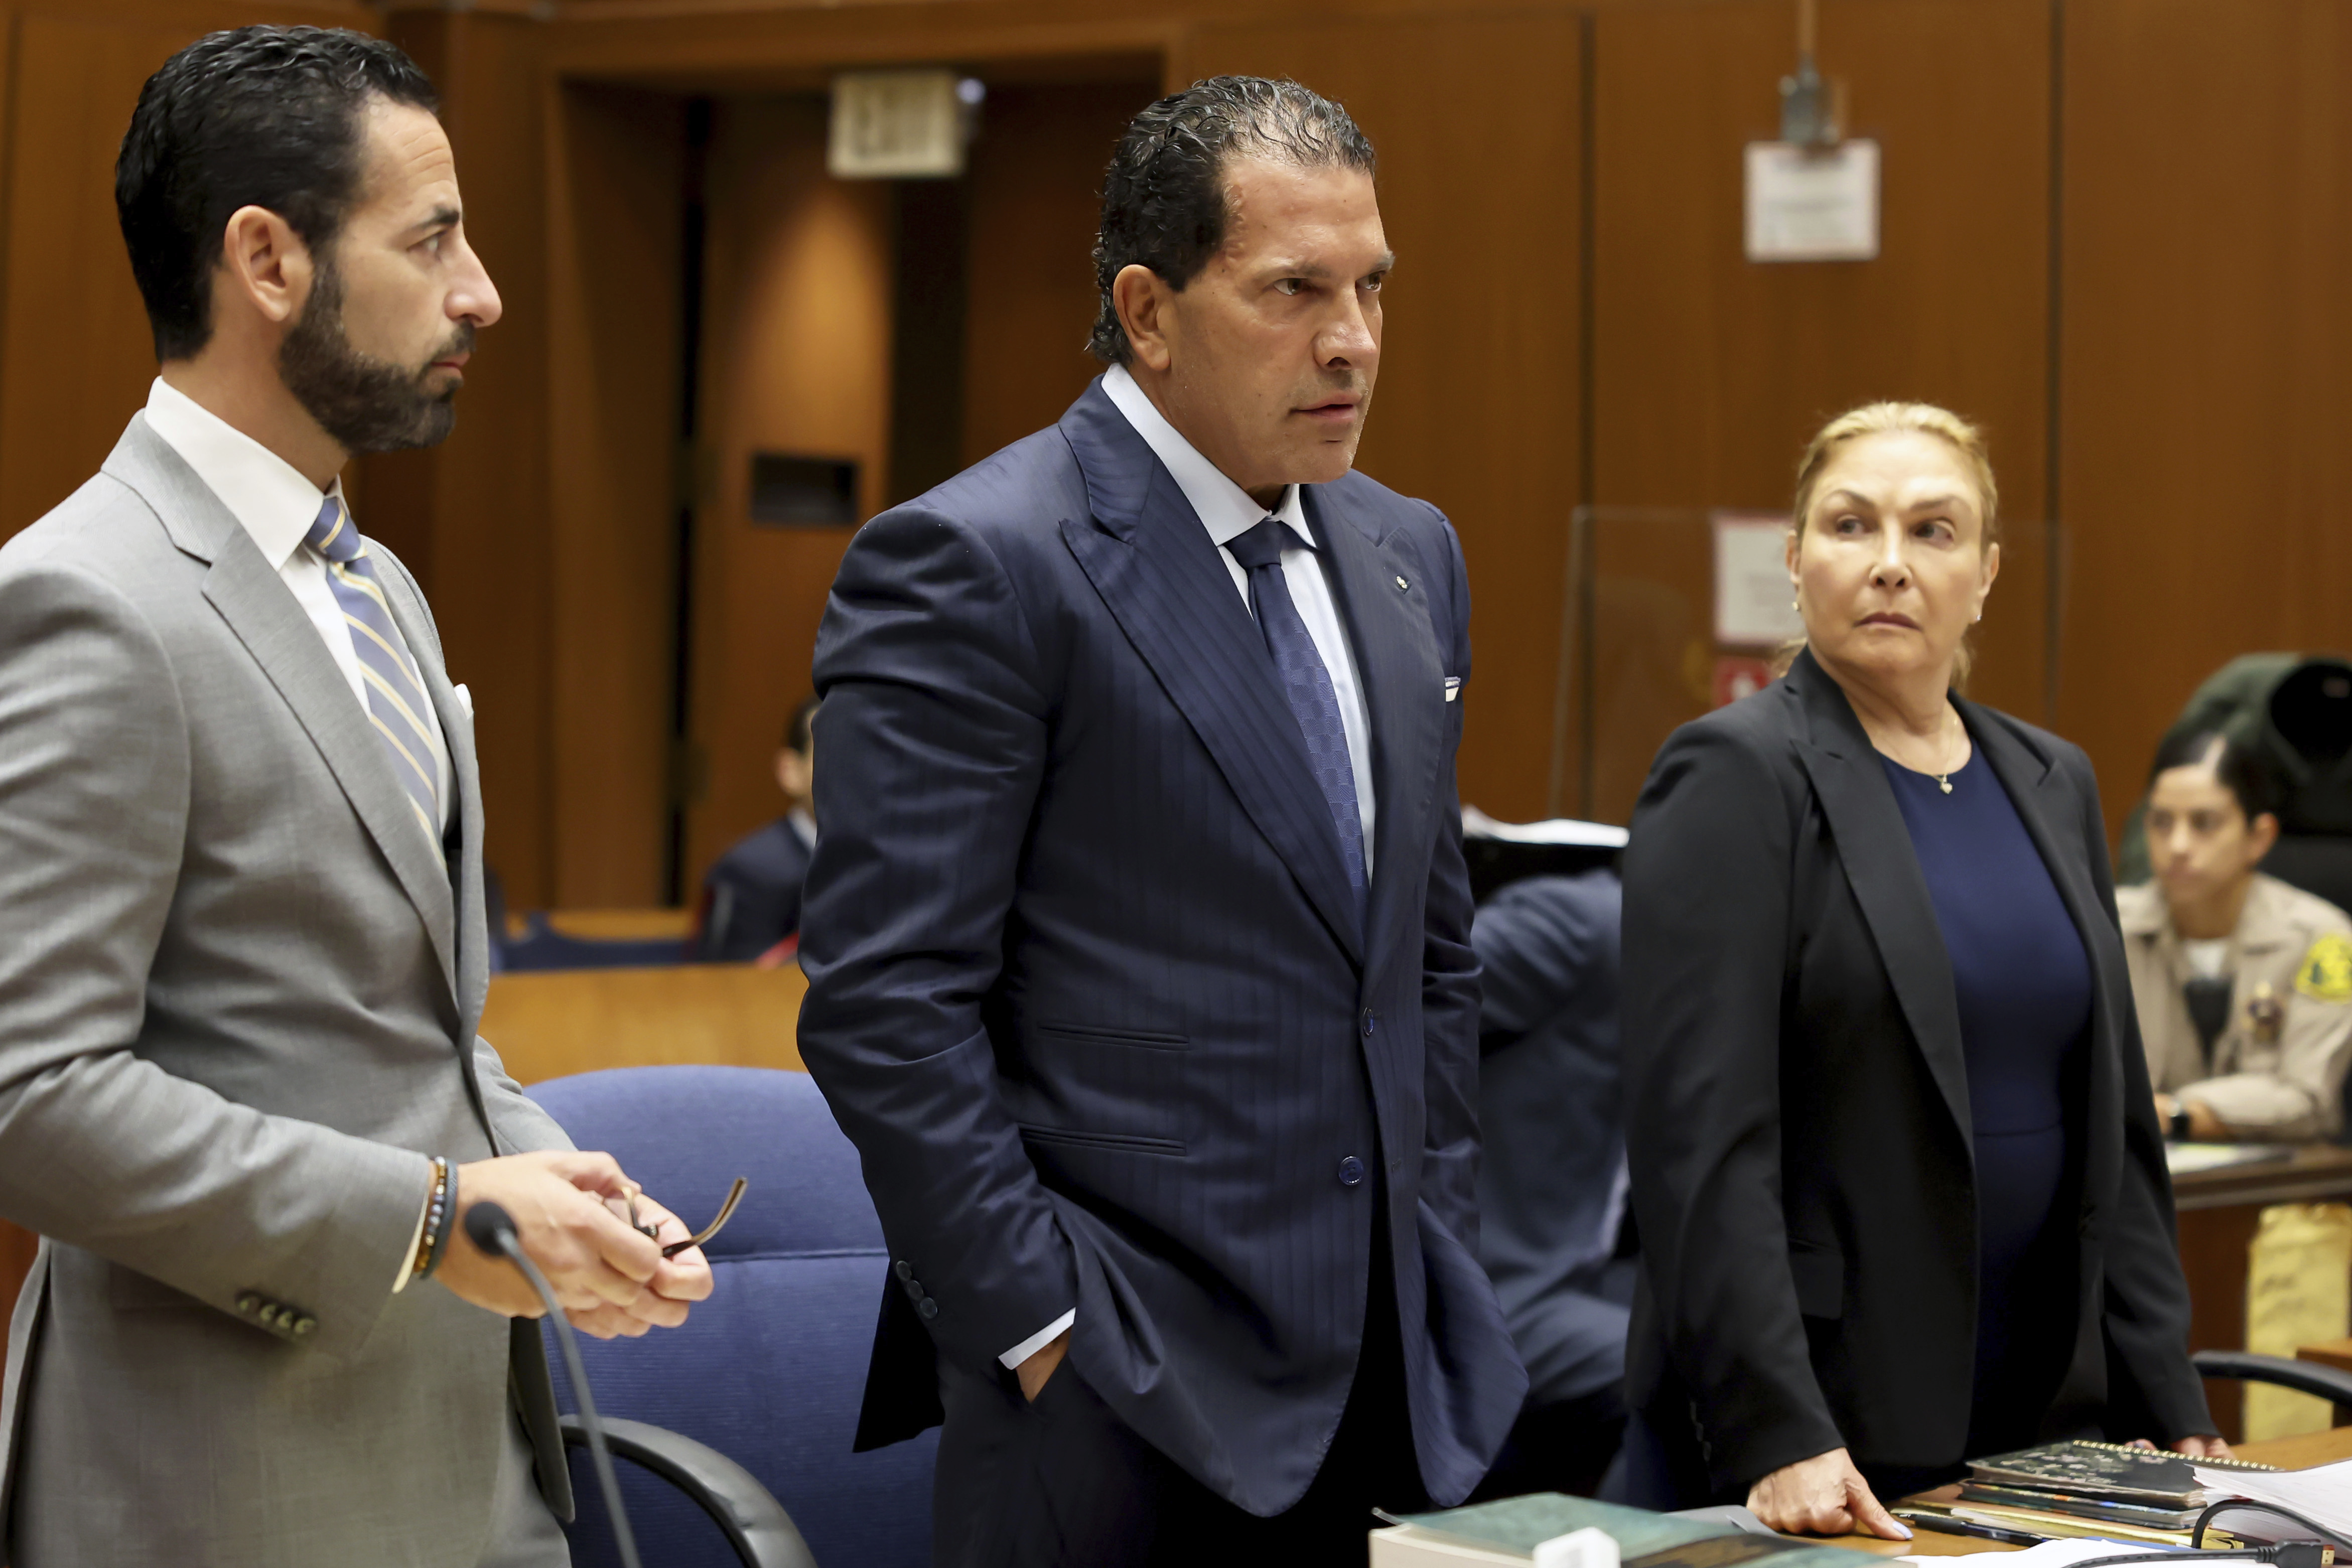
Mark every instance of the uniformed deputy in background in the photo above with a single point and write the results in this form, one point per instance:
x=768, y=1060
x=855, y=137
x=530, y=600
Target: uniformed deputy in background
x=2243, y=983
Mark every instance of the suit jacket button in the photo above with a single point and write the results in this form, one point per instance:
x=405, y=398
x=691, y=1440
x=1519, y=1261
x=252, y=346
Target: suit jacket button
x=304, y=1325
x=1368, y=1021
x=904, y=1270
x=248, y=1303
x=1352, y=1171
x=927, y=1309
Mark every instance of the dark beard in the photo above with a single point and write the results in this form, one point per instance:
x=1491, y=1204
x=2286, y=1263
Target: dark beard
x=367, y=404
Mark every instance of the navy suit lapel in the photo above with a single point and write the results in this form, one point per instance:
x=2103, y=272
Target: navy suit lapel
x=1404, y=683
x=1150, y=559
x=1875, y=846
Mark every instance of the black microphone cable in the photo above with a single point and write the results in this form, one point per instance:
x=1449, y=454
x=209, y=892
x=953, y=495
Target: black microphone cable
x=492, y=1228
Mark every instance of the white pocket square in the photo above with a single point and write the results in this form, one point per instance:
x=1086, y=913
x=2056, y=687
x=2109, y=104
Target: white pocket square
x=465, y=698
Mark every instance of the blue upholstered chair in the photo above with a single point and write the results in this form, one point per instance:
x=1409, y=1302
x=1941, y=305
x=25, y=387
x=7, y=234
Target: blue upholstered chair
x=769, y=1370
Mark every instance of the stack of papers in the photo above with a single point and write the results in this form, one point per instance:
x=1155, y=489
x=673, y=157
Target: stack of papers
x=2322, y=1495
x=1568, y=830
x=2187, y=1159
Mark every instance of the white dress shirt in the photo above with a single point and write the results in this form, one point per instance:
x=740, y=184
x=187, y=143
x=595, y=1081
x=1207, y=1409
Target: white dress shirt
x=1226, y=510
x=275, y=506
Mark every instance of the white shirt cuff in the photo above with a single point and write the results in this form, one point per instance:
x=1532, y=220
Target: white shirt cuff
x=1036, y=1342
x=408, y=1258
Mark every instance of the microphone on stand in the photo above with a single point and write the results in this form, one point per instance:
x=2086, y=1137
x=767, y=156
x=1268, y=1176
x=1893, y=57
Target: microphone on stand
x=492, y=1228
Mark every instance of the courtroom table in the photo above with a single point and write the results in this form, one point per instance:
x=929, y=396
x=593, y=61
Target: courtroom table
x=2219, y=1210
x=2286, y=1453
x=2337, y=1353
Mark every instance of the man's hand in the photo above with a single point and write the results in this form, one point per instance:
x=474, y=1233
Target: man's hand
x=663, y=1304
x=1033, y=1372
x=1824, y=1495
x=590, y=1255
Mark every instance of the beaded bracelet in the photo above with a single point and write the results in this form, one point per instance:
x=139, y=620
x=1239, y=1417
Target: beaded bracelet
x=438, y=1209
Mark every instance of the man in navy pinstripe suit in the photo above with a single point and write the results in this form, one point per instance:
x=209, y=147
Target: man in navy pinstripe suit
x=1137, y=932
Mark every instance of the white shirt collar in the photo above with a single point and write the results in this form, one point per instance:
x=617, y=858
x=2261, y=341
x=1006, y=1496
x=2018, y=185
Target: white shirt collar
x=1223, y=508
x=264, y=492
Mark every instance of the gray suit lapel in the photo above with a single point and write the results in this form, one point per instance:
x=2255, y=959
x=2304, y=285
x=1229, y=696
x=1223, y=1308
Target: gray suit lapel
x=265, y=617
x=409, y=614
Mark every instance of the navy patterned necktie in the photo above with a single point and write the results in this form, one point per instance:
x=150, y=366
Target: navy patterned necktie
x=396, y=702
x=1307, y=685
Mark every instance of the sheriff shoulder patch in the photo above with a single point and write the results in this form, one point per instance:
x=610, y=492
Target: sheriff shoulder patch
x=2324, y=975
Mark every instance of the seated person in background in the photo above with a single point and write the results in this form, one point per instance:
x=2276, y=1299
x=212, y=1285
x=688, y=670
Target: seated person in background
x=752, y=898
x=1551, y=1182
x=2243, y=983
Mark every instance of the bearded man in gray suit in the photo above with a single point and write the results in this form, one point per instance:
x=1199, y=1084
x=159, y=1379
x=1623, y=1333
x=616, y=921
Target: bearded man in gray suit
x=242, y=949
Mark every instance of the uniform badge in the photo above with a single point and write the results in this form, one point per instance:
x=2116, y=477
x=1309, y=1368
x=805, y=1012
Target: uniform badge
x=2324, y=975
x=2265, y=1015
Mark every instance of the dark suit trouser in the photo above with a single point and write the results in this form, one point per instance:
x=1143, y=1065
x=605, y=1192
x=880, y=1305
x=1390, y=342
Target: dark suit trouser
x=1063, y=1483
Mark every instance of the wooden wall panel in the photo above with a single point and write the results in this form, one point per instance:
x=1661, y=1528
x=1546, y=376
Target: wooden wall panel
x=1476, y=121
x=2206, y=476
x=1712, y=371
x=796, y=354
x=75, y=353
x=475, y=509
x=1036, y=194
x=615, y=282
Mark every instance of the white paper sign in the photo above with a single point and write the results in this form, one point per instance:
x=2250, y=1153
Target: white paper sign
x=1813, y=204
x=1752, y=608
x=895, y=125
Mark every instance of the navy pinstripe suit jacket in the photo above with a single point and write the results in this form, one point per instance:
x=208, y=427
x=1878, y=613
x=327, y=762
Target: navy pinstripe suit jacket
x=1086, y=983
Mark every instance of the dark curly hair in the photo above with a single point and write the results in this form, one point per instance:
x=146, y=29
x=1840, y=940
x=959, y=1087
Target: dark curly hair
x=1164, y=201
x=264, y=117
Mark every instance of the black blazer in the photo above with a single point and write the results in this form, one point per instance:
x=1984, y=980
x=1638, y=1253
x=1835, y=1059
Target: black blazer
x=1086, y=986
x=1798, y=1107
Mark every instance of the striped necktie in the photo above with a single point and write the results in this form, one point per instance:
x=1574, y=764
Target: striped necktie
x=1306, y=685
x=396, y=701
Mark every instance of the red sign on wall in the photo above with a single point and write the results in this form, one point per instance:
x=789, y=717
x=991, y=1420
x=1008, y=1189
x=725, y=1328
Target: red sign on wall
x=1738, y=676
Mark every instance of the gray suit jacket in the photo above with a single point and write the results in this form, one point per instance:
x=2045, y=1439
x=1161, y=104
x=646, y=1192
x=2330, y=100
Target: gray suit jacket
x=238, y=991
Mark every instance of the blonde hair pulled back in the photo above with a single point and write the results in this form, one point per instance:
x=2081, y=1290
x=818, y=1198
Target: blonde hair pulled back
x=1895, y=419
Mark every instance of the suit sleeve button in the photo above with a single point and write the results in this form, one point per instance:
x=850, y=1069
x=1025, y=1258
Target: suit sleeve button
x=1352, y=1171
x=248, y=1303
x=913, y=1289
x=927, y=1309
x=904, y=1270
x=304, y=1325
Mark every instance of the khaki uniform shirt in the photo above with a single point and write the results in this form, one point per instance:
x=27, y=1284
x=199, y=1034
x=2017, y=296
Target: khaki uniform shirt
x=2277, y=1070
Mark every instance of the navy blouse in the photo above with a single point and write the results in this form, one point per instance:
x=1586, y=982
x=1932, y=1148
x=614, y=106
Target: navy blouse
x=2024, y=982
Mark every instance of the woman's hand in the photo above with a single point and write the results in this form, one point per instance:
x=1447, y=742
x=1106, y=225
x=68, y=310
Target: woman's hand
x=1824, y=1495
x=2201, y=1448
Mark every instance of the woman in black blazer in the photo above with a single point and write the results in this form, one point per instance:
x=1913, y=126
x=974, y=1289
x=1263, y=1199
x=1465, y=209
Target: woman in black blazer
x=1901, y=1190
